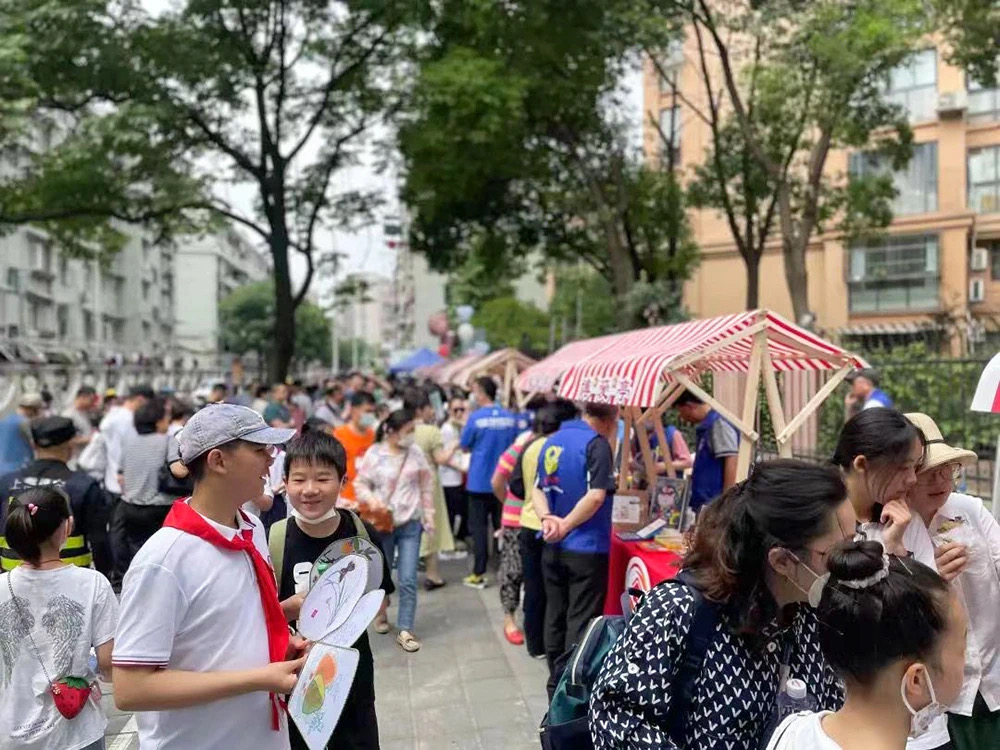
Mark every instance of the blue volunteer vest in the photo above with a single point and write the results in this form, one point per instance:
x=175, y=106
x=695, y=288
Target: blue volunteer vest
x=706, y=479
x=882, y=397
x=15, y=452
x=562, y=476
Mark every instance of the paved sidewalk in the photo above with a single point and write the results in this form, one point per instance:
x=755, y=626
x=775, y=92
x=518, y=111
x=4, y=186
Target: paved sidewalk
x=467, y=688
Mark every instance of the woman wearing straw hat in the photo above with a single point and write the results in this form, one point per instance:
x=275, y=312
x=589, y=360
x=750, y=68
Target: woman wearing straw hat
x=966, y=539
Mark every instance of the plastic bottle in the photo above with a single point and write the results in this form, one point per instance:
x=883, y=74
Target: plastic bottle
x=794, y=698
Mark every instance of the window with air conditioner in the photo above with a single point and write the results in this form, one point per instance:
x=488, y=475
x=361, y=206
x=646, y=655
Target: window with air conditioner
x=895, y=275
x=984, y=179
x=916, y=184
x=913, y=85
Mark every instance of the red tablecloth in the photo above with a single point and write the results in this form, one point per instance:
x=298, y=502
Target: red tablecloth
x=637, y=565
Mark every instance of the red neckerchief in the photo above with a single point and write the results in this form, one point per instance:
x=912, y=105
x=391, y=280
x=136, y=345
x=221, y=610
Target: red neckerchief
x=182, y=516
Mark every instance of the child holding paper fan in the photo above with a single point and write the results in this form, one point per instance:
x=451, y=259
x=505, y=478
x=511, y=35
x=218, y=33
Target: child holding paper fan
x=315, y=467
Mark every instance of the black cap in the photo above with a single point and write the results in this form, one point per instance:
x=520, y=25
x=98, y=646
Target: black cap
x=49, y=432
x=143, y=389
x=868, y=373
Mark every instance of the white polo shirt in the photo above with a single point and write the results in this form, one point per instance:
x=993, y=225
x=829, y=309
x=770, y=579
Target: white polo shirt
x=189, y=605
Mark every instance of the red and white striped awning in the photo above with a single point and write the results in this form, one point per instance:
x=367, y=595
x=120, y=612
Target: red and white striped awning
x=542, y=376
x=633, y=367
x=987, y=396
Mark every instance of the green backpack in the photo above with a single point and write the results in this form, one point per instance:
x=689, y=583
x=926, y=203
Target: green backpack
x=278, y=536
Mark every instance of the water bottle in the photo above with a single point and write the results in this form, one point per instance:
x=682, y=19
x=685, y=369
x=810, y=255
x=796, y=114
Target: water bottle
x=794, y=698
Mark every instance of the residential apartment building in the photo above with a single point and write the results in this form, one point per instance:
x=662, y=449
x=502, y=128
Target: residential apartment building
x=937, y=272
x=209, y=269
x=60, y=309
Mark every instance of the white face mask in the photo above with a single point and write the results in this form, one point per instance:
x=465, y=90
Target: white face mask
x=920, y=721
x=815, y=592
x=406, y=441
x=314, y=521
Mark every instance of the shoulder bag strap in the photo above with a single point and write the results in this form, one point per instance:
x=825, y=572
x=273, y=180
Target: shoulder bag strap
x=276, y=546
x=699, y=638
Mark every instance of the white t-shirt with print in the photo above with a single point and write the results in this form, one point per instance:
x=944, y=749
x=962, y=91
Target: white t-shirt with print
x=189, y=605
x=802, y=731
x=67, y=611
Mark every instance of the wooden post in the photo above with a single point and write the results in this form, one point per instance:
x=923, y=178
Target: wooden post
x=750, y=403
x=747, y=430
x=774, y=405
x=647, y=453
x=815, y=401
x=625, y=470
x=661, y=436
x=508, y=381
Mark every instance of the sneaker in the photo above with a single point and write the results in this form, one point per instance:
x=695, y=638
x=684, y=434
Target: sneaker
x=475, y=582
x=459, y=554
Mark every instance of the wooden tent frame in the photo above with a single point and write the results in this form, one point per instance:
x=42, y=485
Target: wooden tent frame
x=506, y=364
x=681, y=375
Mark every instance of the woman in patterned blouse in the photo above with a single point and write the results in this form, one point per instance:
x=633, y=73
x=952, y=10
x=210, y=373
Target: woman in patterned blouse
x=394, y=474
x=757, y=551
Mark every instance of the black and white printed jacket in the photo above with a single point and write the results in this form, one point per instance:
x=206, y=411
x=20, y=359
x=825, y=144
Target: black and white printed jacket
x=734, y=694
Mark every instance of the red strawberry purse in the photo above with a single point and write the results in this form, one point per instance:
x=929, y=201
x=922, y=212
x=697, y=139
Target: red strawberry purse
x=69, y=694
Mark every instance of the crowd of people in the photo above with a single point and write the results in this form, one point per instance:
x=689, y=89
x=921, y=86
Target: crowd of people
x=869, y=580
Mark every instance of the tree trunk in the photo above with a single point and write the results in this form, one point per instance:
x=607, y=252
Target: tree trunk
x=752, y=261
x=794, y=250
x=284, y=311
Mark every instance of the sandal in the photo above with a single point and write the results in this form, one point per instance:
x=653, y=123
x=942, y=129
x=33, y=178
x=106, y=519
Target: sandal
x=407, y=642
x=431, y=585
x=382, y=626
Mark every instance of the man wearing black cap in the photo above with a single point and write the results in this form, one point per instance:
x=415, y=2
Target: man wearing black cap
x=53, y=438
x=865, y=393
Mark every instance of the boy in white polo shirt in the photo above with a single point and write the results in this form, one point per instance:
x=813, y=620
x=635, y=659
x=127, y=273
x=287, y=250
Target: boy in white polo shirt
x=202, y=643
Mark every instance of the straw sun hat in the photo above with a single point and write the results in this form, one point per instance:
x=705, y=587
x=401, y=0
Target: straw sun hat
x=938, y=451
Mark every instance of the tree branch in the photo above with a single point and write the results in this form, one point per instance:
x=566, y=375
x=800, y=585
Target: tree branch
x=216, y=138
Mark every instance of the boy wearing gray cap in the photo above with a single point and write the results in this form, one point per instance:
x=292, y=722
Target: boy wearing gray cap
x=202, y=644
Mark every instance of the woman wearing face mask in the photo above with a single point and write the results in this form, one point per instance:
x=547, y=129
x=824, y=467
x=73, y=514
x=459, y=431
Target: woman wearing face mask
x=966, y=540
x=395, y=475
x=758, y=551
x=895, y=632
x=879, y=452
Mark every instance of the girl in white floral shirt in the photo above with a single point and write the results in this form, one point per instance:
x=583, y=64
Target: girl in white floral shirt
x=394, y=473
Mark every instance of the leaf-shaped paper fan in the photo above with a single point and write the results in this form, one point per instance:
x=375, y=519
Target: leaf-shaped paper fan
x=332, y=599
x=317, y=701
x=354, y=545
x=358, y=622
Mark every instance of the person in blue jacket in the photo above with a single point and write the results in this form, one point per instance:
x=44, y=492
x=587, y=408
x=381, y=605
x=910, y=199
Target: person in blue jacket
x=716, y=451
x=865, y=393
x=573, y=495
x=489, y=431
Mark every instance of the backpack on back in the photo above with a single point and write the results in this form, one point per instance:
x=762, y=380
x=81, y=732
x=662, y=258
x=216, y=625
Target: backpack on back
x=566, y=726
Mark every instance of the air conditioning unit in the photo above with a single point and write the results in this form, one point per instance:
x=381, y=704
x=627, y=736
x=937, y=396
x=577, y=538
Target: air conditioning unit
x=951, y=104
x=977, y=291
x=980, y=260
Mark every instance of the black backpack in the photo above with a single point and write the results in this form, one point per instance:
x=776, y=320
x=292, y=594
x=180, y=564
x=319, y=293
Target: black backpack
x=566, y=726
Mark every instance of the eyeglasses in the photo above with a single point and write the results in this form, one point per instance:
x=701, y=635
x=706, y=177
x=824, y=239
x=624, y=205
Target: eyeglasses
x=458, y=410
x=947, y=471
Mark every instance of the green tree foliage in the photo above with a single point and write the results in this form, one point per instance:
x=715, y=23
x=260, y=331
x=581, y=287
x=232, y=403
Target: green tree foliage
x=510, y=142
x=784, y=84
x=206, y=95
x=246, y=322
x=972, y=28
x=581, y=290
x=508, y=322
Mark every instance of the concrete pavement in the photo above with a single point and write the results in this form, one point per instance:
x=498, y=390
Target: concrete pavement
x=466, y=689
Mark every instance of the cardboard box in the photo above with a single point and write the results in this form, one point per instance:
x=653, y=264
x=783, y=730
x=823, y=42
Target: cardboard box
x=630, y=511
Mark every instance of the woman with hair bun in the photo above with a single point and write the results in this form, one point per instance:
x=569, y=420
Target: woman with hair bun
x=51, y=615
x=895, y=633
x=879, y=452
x=758, y=550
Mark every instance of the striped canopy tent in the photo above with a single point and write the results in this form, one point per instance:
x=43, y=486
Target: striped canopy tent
x=505, y=364
x=987, y=396
x=646, y=370
x=544, y=376
x=444, y=374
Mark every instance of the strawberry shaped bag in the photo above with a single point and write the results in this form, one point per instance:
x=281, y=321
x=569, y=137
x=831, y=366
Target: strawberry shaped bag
x=69, y=694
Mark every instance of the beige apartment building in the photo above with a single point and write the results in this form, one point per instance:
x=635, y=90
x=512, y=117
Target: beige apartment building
x=936, y=277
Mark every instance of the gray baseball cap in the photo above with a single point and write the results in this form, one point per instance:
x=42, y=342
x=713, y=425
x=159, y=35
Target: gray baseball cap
x=217, y=424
